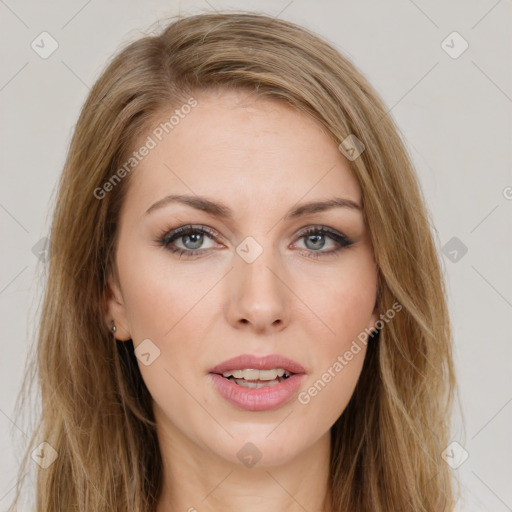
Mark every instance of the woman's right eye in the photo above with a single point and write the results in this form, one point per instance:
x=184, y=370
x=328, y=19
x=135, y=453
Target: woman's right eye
x=191, y=240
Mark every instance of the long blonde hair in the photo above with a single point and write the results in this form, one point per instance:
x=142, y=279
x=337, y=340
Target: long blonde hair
x=95, y=409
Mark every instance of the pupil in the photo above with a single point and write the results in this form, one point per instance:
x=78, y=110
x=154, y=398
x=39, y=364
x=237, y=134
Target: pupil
x=318, y=238
x=197, y=242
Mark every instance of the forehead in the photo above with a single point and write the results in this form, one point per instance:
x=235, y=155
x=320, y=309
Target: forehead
x=244, y=149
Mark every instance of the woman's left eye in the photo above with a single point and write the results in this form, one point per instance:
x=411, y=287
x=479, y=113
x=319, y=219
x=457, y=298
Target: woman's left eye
x=192, y=239
x=314, y=239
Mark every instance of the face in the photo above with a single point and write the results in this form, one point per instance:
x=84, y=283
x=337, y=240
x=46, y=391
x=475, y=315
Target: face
x=195, y=288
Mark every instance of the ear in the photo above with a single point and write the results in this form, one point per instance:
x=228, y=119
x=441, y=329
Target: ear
x=373, y=320
x=375, y=316
x=115, y=310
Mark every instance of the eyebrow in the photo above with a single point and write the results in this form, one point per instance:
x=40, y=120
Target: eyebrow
x=220, y=210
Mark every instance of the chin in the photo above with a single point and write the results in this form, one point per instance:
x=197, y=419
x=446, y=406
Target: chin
x=262, y=447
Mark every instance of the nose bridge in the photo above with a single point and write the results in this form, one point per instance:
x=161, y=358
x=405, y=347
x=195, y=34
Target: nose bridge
x=257, y=289
x=257, y=264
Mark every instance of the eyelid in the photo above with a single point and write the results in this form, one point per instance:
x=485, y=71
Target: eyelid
x=168, y=234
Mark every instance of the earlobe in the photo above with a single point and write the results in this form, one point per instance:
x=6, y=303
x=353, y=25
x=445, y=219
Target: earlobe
x=115, y=311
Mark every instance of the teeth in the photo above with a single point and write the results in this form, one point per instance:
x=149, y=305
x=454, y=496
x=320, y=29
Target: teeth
x=251, y=374
x=255, y=385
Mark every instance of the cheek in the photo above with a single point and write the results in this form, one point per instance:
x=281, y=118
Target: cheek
x=343, y=299
x=159, y=293
x=328, y=392
x=148, y=300
x=346, y=308
x=173, y=305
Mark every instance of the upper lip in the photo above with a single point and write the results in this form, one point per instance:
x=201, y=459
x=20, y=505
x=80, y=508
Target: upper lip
x=269, y=362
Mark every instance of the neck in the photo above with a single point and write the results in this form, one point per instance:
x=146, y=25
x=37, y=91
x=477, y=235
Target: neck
x=195, y=479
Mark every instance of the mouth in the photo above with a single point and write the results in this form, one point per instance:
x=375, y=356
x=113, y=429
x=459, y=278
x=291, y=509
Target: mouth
x=252, y=367
x=257, y=383
x=255, y=379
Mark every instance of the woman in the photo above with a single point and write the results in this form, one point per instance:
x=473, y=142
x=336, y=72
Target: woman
x=245, y=307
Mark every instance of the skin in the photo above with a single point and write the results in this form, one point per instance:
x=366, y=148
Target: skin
x=261, y=158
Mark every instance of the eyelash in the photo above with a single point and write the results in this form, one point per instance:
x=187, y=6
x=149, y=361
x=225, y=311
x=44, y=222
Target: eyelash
x=167, y=237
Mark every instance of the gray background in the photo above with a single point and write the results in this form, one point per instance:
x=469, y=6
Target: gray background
x=454, y=114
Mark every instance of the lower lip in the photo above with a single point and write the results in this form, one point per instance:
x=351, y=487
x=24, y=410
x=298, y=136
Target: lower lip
x=261, y=399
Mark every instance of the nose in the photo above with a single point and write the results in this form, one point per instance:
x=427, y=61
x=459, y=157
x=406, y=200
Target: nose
x=258, y=296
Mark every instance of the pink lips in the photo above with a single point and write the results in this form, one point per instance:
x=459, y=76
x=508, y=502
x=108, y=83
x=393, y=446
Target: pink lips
x=260, y=399
x=258, y=363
